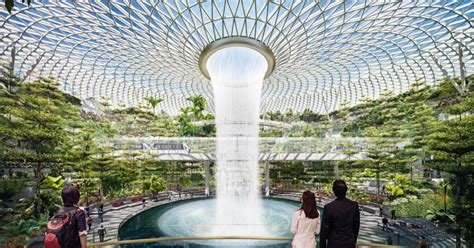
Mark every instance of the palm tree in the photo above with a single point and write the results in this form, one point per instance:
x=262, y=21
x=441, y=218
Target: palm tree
x=153, y=101
x=199, y=104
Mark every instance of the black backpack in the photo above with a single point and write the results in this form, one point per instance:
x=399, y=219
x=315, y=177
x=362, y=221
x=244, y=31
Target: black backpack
x=62, y=231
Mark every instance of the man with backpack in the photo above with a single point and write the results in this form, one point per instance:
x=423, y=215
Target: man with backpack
x=67, y=228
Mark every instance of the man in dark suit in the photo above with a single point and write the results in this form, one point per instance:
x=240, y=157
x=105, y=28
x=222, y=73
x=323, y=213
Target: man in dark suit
x=341, y=220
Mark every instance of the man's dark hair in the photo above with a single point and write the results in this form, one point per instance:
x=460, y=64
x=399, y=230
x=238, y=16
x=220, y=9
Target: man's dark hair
x=70, y=196
x=340, y=188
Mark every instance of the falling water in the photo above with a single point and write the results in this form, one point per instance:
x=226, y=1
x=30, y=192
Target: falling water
x=237, y=74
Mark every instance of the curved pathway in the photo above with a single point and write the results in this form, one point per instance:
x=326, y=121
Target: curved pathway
x=370, y=231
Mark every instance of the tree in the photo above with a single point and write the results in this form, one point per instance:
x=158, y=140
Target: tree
x=344, y=112
x=198, y=106
x=452, y=146
x=153, y=101
x=103, y=164
x=156, y=184
x=37, y=126
x=9, y=4
x=185, y=181
x=186, y=126
x=306, y=116
x=379, y=155
x=418, y=112
x=82, y=155
x=349, y=149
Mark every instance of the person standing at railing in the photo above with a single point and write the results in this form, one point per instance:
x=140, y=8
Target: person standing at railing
x=341, y=220
x=305, y=223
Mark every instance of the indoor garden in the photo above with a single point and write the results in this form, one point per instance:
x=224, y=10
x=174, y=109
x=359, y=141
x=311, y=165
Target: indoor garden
x=189, y=122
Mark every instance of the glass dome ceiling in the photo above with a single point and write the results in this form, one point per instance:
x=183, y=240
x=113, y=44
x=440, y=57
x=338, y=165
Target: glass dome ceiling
x=325, y=52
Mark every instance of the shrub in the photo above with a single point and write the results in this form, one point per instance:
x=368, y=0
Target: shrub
x=376, y=199
x=394, y=190
x=412, y=207
x=10, y=187
x=118, y=203
x=136, y=198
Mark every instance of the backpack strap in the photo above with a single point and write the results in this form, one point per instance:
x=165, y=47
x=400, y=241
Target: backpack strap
x=70, y=213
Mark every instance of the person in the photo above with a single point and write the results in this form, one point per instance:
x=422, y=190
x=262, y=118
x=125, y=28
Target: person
x=101, y=215
x=394, y=217
x=143, y=202
x=341, y=220
x=384, y=224
x=423, y=242
x=70, y=196
x=101, y=207
x=305, y=222
x=178, y=187
x=101, y=231
x=87, y=208
x=381, y=210
x=89, y=222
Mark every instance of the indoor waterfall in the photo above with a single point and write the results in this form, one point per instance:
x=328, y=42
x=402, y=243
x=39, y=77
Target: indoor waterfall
x=237, y=74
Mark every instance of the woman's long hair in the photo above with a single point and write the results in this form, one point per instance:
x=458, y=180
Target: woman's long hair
x=309, y=205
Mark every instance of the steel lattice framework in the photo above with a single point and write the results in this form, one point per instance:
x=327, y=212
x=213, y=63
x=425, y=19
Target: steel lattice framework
x=326, y=51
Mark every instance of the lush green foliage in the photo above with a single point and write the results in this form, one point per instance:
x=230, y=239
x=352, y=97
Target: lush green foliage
x=414, y=207
x=33, y=121
x=452, y=146
x=190, y=116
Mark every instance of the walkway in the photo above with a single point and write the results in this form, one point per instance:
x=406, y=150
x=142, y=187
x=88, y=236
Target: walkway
x=370, y=231
x=114, y=216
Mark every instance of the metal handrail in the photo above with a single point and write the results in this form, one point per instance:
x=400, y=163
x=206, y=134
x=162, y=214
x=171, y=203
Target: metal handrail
x=156, y=240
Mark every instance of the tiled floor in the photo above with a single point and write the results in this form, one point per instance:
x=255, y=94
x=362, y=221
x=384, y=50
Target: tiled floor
x=113, y=217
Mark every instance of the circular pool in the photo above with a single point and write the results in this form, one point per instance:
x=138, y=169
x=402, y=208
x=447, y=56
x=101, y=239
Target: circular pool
x=196, y=217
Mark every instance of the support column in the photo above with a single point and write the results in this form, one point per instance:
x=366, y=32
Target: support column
x=206, y=178
x=445, y=74
x=461, y=68
x=267, y=178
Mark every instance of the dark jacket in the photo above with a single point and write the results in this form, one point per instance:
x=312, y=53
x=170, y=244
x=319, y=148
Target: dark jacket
x=340, y=225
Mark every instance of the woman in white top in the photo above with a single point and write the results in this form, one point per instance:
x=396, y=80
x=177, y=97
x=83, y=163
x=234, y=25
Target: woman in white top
x=305, y=223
